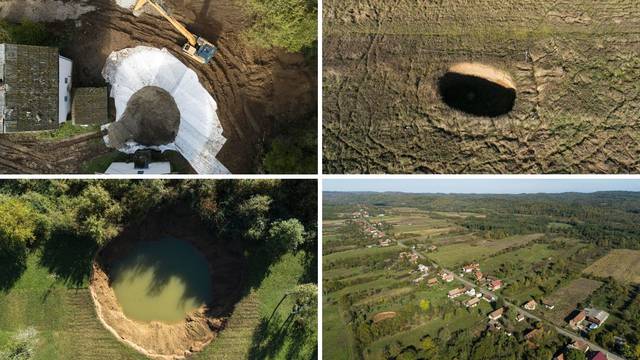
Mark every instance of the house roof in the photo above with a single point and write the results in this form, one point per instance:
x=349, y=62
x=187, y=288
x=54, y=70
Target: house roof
x=579, y=317
x=89, y=106
x=599, y=356
x=29, y=92
x=497, y=313
x=580, y=345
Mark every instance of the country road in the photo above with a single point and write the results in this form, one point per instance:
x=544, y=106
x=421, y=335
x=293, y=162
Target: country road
x=569, y=334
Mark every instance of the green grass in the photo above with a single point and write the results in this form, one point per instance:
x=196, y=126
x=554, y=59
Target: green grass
x=64, y=317
x=67, y=130
x=363, y=252
x=335, y=331
x=456, y=254
x=237, y=340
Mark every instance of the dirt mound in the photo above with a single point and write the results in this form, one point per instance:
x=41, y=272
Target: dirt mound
x=151, y=118
x=486, y=72
x=200, y=327
x=383, y=316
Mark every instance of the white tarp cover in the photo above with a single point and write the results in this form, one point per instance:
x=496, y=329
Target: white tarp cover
x=199, y=137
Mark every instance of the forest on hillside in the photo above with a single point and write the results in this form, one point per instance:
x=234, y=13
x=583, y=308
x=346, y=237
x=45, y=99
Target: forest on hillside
x=608, y=219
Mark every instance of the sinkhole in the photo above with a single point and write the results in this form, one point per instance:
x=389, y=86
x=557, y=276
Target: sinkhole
x=478, y=89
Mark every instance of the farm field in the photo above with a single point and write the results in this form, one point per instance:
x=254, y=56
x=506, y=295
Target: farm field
x=622, y=265
x=456, y=254
x=567, y=298
x=573, y=65
x=375, y=295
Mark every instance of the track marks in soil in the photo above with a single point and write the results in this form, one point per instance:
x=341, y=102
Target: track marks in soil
x=577, y=106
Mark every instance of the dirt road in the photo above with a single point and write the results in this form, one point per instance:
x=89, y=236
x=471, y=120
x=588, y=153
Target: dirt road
x=254, y=88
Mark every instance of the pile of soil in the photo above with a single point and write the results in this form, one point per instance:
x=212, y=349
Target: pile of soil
x=200, y=327
x=151, y=118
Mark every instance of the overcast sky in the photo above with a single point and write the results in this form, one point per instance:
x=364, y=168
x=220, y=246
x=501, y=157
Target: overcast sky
x=481, y=186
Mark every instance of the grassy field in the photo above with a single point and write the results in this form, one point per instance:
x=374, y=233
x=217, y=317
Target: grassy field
x=68, y=327
x=622, y=265
x=567, y=297
x=64, y=318
x=456, y=254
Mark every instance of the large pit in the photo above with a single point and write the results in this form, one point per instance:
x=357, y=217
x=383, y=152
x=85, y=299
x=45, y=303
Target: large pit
x=151, y=118
x=166, y=287
x=478, y=90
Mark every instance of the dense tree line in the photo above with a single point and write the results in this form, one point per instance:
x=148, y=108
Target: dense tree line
x=59, y=217
x=607, y=219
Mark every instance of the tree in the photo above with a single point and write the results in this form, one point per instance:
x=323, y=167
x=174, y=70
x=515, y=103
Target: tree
x=97, y=214
x=305, y=307
x=286, y=235
x=17, y=231
x=425, y=305
x=428, y=345
x=573, y=354
x=254, y=212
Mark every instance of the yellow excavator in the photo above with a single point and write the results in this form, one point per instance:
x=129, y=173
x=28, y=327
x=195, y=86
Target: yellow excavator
x=197, y=48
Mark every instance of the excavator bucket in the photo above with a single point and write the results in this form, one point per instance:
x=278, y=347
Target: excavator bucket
x=139, y=5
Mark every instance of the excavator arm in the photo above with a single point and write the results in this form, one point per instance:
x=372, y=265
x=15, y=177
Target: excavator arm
x=192, y=39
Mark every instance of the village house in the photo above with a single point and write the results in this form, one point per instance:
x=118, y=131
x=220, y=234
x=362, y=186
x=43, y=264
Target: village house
x=422, y=268
x=533, y=333
x=596, y=317
x=599, y=356
x=471, y=292
x=580, y=346
x=530, y=305
x=448, y=277
x=519, y=318
x=472, y=302
x=495, y=285
x=497, y=314
x=478, y=275
x=431, y=282
x=410, y=257
x=578, y=319
x=494, y=325
x=456, y=292
x=432, y=248
x=559, y=357
x=471, y=267
x=35, y=88
x=548, y=304
x=488, y=298
x=420, y=279
x=384, y=243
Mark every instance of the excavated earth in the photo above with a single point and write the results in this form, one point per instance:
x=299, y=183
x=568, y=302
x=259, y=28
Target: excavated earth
x=254, y=88
x=200, y=327
x=574, y=64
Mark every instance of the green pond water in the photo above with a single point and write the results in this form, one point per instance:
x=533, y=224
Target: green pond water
x=161, y=281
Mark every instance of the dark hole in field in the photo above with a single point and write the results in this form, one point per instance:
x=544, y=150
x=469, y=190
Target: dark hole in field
x=475, y=95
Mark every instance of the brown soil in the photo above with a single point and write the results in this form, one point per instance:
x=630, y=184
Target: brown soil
x=254, y=88
x=151, y=118
x=483, y=71
x=171, y=341
x=383, y=316
x=27, y=154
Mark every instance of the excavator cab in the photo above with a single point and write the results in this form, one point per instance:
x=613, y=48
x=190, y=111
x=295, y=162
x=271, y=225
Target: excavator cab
x=197, y=48
x=203, y=53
